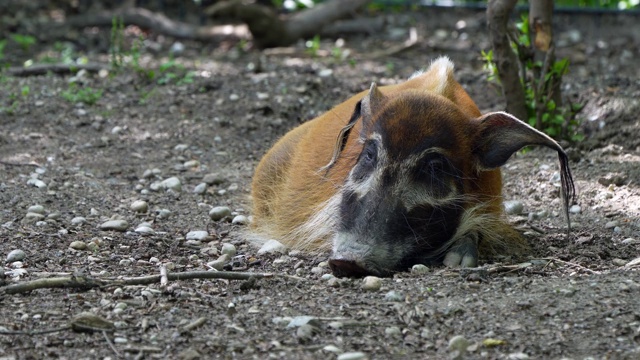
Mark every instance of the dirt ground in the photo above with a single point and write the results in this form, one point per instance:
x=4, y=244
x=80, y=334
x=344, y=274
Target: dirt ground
x=573, y=296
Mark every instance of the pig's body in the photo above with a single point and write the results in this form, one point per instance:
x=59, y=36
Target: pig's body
x=395, y=176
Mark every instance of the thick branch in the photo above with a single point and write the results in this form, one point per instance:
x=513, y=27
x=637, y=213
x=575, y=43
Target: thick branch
x=308, y=23
x=506, y=60
x=270, y=30
x=142, y=18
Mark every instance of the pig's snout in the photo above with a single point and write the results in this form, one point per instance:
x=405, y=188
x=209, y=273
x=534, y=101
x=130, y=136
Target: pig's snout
x=347, y=268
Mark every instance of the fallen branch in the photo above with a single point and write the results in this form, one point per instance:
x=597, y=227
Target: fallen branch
x=155, y=22
x=87, y=283
x=60, y=69
x=9, y=163
x=271, y=30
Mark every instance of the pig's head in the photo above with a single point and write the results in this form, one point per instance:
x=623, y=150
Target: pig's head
x=407, y=197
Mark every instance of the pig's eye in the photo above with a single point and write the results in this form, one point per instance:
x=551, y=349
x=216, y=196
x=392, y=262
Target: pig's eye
x=366, y=162
x=370, y=154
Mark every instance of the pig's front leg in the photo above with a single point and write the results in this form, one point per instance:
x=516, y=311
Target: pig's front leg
x=463, y=252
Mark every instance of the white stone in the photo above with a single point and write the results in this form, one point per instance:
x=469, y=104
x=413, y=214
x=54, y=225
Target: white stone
x=419, y=269
x=78, y=245
x=200, y=235
x=15, y=255
x=356, y=355
x=228, y=249
x=117, y=225
x=200, y=189
x=371, y=283
x=219, y=212
x=37, y=183
x=140, y=206
x=513, y=207
x=240, y=220
x=271, y=247
x=172, y=183
x=38, y=209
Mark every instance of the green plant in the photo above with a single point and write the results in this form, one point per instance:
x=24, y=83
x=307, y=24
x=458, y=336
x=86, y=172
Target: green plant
x=117, y=43
x=25, y=41
x=313, y=46
x=3, y=43
x=87, y=95
x=171, y=72
x=14, y=101
x=541, y=83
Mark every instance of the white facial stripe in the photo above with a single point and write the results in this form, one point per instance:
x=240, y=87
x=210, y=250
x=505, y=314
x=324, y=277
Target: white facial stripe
x=361, y=188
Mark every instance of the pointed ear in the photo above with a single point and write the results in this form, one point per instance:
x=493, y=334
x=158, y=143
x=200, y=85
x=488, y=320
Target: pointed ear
x=371, y=103
x=499, y=135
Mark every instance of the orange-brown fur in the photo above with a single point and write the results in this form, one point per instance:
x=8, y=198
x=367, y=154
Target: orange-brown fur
x=289, y=186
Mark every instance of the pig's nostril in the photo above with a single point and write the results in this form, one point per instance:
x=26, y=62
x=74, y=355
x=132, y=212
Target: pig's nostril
x=347, y=268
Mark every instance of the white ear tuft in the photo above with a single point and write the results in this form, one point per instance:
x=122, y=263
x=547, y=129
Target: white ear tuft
x=442, y=70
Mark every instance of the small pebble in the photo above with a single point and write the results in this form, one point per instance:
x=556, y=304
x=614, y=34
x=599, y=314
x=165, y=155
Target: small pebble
x=200, y=189
x=15, y=255
x=333, y=282
x=37, y=183
x=234, y=97
x=172, y=183
x=144, y=230
x=117, y=225
x=575, y=209
x=371, y=283
x=240, y=220
x=611, y=224
x=356, y=355
x=619, y=262
x=518, y=356
x=200, y=235
x=140, y=206
x=392, y=331
x=54, y=216
x=629, y=241
x=125, y=262
x=38, y=209
x=191, y=164
x=92, y=246
x=78, y=220
x=213, y=179
x=78, y=245
x=31, y=218
x=304, y=320
x=219, y=263
x=181, y=147
x=332, y=349
x=419, y=269
x=393, y=296
x=272, y=247
x=458, y=343
x=513, y=207
x=163, y=213
x=228, y=249
x=327, y=277
x=219, y=212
